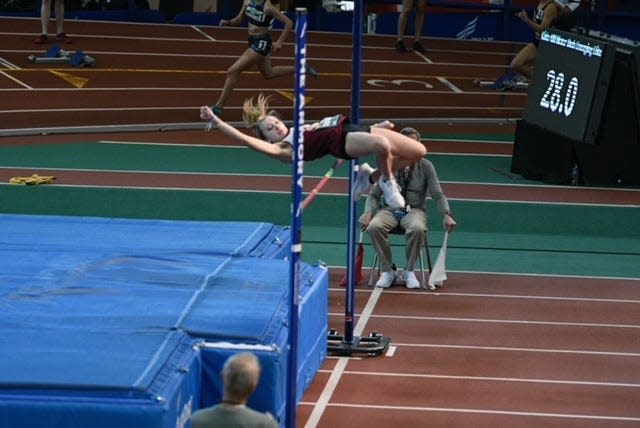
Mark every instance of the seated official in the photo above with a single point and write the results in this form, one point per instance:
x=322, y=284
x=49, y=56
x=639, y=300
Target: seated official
x=417, y=181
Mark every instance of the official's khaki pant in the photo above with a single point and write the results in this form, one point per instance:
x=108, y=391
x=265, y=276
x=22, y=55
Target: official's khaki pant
x=414, y=224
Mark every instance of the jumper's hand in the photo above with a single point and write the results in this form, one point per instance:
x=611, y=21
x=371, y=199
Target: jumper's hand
x=206, y=113
x=208, y=116
x=276, y=47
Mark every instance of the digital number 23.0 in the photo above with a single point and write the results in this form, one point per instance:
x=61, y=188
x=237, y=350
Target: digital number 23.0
x=558, y=99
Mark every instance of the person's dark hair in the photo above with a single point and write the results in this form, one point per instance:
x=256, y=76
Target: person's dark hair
x=409, y=131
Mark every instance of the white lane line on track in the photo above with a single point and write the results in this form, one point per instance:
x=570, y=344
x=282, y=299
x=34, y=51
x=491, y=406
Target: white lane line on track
x=461, y=140
x=160, y=144
x=506, y=321
x=516, y=296
x=182, y=189
x=201, y=55
x=203, y=33
x=516, y=349
x=412, y=108
x=528, y=202
x=478, y=155
x=533, y=275
x=80, y=37
x=19, y=82
x=484, y=412
x=441, y=79
x=142, y=171
x=8, y=64
x=518, y=201
x=209, y=88
x=70, y=110
x=543, y=275
x=339, y=368
x=147, y=54
x=491, y=379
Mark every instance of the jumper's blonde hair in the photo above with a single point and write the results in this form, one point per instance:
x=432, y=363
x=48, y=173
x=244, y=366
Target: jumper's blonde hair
x=254, y=111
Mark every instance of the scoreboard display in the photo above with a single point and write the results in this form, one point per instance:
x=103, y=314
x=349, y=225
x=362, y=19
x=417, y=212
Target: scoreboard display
x=582, y=110
x=571, y=77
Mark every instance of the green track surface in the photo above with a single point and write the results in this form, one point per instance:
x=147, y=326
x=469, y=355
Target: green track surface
x=492, y=236
x=489, y=138
x=226, y=160
x=559, y=239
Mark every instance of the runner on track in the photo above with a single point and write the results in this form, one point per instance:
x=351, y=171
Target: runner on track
x=260, y=14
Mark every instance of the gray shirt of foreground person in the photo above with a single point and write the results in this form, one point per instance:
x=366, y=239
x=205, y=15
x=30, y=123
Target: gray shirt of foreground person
x=236, y=416
x=240, y=377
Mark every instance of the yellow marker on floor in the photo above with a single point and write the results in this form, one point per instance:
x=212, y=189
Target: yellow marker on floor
x=76, y=81
x=291, y=96
x=33, y=179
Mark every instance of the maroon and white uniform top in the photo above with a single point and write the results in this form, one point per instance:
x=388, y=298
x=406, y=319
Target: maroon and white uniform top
x=328, y=137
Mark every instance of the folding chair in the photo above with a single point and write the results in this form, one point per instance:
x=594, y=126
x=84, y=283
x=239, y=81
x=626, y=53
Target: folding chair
x=424, y=252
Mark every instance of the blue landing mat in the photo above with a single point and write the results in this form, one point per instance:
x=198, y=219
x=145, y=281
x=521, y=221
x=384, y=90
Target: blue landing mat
x=72, y=379
x=94, y=234
x=268, y=340
x=107, y=318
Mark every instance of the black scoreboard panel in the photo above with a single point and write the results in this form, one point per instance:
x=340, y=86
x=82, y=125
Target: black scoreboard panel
x=627, y=61
x=583, y=109
x=570, y=82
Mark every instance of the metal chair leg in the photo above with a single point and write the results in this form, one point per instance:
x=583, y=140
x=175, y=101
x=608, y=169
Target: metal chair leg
x=425, y=284
x=426, y=247
x=374, y=267
x=422, y=268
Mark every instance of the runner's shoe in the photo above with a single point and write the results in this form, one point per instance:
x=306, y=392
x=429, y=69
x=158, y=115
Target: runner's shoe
x=401, y=47
x=508, y=78
x=363, y=184
x=311, y=71
x=218, y=111
x=391, y=192
x=41, y=39
x=62, y=37
x=508, y=85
